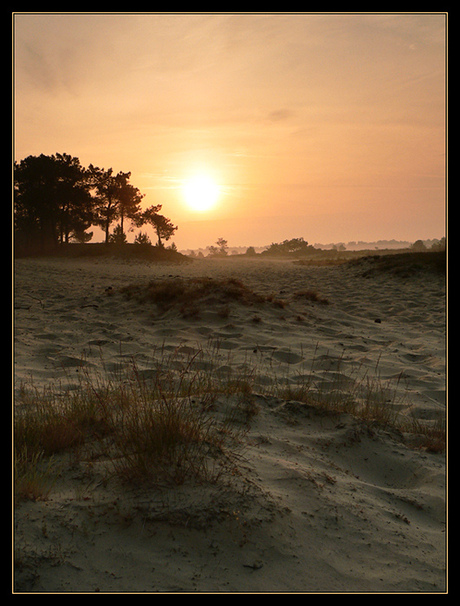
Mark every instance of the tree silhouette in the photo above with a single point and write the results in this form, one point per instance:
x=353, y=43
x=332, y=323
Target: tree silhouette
x=296, y=246
x=52, y=200
x=129, y=199
x=161, y=224
x=418, y=246
x=56, y=200
x=221, y=250
x=73, y=197
x=115, y=198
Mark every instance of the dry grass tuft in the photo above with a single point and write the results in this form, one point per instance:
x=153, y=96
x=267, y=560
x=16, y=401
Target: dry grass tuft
x=190, y=295
x=163, y=430
x=179, y=422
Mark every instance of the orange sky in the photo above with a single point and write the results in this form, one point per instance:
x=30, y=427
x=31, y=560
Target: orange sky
x=322, y=126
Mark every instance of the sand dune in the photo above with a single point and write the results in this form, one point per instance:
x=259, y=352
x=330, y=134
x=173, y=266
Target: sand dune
x=326, y=502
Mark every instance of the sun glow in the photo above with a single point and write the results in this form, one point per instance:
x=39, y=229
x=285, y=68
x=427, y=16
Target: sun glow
x=200, y=192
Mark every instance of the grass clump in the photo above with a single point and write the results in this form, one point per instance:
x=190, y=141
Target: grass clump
x=190, y=295
x=179, y=422
x=169, y=440
x=371, y=400
x=34, y=474
x=164, y=430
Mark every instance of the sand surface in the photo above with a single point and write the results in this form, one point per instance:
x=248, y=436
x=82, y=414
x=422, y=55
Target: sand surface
x=325, y=503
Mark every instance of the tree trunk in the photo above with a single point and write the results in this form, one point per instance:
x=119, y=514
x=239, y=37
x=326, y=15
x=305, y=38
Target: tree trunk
x=160, y=243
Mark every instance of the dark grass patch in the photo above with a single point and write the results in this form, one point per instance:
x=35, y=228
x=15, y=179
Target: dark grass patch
x=402, y=265
x=190, y=295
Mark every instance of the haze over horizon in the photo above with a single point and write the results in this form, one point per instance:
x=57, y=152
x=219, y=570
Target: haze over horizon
x=325, y=126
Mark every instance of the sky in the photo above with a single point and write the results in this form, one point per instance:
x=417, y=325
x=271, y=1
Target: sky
x=330, y=127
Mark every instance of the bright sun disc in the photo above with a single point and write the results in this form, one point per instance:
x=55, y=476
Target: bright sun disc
x=201, y=192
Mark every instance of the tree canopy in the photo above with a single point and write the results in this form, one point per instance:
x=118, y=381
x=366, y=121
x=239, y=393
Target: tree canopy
x=56, y=200
x=221, y=250
x=163, y=226
x=294, y=247
x=52, y=199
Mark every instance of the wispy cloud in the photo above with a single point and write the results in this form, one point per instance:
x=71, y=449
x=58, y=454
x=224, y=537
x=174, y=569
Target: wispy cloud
x=159, y=180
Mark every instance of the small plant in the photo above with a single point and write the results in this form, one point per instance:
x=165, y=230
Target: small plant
x=34, y=475
x=142, y=239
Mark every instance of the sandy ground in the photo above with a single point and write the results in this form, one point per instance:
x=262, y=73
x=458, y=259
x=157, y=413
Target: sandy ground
x=325, y=503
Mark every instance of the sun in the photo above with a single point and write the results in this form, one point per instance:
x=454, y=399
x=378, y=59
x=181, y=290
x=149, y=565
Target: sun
x=200, y=192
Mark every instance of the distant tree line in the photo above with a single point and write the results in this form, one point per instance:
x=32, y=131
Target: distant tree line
x=57, y=200
x=298, y=248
